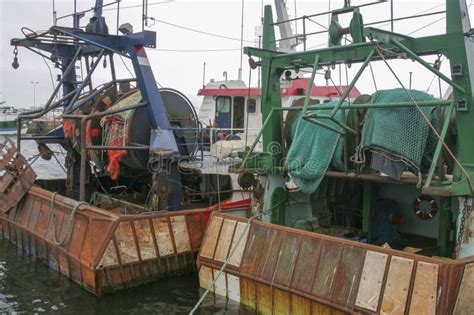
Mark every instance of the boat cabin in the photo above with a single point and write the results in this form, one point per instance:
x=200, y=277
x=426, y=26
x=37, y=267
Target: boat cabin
x=233, y=107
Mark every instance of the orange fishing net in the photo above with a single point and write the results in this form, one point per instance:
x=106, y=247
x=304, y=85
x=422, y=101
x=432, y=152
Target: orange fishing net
x=68, y=128
x=116, y=136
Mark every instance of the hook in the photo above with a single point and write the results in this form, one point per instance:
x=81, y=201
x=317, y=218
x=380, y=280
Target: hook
x=15, y=63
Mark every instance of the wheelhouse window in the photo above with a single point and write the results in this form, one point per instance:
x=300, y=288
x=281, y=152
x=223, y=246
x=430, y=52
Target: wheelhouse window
x=223, y=105
x=251, y=106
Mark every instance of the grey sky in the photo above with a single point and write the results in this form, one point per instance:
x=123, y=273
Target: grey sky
x=183, y=70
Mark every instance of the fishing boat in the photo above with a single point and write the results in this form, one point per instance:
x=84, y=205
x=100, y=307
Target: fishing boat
x=8, y=120
x=128, y=211
x=45, y=124
x=380, y=220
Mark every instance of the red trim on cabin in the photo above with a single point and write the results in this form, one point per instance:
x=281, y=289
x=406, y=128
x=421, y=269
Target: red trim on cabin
x=297, y=87
x=236, y=204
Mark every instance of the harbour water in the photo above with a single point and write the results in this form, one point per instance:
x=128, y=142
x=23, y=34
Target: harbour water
x=28, y=286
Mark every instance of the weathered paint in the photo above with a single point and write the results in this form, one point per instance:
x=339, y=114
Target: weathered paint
x=371, y=283
x=289, y=271
x=398, y=284
x=105, y=251
x=210, y=242
x=225, y=239
x=424, y=296
x=466, y=291
x=238, y=244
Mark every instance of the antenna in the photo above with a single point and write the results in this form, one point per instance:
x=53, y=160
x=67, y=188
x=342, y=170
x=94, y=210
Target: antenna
x=144, y=14
x=55, y=21
x=241, y=41
x=204, y=75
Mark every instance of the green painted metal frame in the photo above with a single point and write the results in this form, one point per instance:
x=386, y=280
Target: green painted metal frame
x=452, y=44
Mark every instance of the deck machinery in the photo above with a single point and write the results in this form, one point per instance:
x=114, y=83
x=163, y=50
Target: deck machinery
x=155, y=122
x=112, y=222
x=448, y=180
x=375, y=223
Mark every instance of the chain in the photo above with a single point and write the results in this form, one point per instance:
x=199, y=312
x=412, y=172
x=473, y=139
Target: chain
x=461, y=228
x=33, y=159
x=59, y=162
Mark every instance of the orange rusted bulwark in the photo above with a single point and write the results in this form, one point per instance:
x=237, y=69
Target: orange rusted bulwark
x=105, y=251
x=282, y=270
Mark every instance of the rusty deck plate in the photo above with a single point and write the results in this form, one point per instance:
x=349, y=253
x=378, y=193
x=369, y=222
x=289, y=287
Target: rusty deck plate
x=289, y=271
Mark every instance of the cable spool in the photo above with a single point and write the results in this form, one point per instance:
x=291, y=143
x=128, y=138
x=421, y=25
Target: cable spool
x=133, y=128
x=425, y=215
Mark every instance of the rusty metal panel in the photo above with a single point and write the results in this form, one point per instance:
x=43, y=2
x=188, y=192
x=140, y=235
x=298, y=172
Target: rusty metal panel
x=321, y=309
x=253, y=250
x=41, y=249
x=465, y=300
x=196, y=229
x=24, y=211
x=225, y=238
x=287, y=259
x=35, y=206
x=32, y=245
x=370, y=285
x=180, y=233
x=99, y=230
x=423, y=299
x=327, y=268
x=282, y=302
x=206, y=277
x=63, y=264
x=145, y=239
x=269, y=257
x=347, y=281
x=5, y=181
x=17, y=176
x=163, y=237
x=238, y=243
x=52, y=253
x=264, y=299
x=212, y=235
x=233, y=287
x=83, y=243
x=300, y=305
x=248, y=293
x=110, y=256
x=125, y=242
x=43, y=220
x=397, y=286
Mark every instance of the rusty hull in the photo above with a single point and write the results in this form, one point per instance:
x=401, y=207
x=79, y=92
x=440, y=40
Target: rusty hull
x=280, y=270
x=105, y=251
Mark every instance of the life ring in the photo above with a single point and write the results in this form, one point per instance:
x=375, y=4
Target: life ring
x=423, y=214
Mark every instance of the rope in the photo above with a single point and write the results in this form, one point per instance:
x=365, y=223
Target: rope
x=224, y=265
x=373, y=76
x=379, y=52
x=69, y=223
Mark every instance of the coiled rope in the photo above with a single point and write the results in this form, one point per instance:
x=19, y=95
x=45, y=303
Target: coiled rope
x=70, y=221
